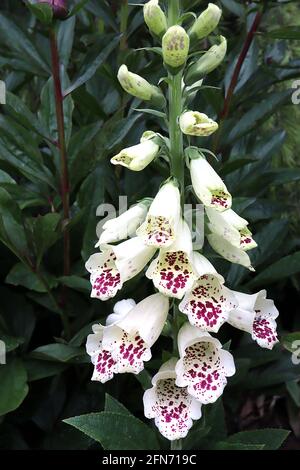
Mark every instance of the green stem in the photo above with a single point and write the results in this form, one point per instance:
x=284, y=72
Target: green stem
x=176, y=445
x=175, y=109
x=123, y=24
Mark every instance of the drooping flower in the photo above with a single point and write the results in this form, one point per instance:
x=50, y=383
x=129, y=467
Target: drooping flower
x=256, y=315
x=203, y=365
x=209, y=302
x=138, y=156
x=172, y=408
x=206, y=22
x=160, y=226
x=208, y=185
x=125, y=343
x=124, y=225
x=232, y=227
x=198, y=124
x=115, y=265
x=137, y=86
x=172, y=272
x=229, y=251
x=155, y=18
x=175, y=46
x=207, y=62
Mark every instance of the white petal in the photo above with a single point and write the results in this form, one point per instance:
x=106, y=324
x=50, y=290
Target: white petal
x=228, y=251
x=137, y=157
x=121, y=308
x=189, y=334
x=131, y=257
x=93, y=343
x=105, y=276
x=203, y=266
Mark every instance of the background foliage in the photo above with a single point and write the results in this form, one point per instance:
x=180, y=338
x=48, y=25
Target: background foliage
x=47, y=376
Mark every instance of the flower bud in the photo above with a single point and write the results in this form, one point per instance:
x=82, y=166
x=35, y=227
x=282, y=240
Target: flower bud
x=59, y=7
x=155, y=18
x=207, y=63
x=175, y=46
x=206, y=22
x=195, y=123
x=137, y=86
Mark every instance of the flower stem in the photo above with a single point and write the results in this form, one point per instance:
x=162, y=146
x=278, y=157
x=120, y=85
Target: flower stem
x=176, y=445
x=123, y=24
x=175, y=109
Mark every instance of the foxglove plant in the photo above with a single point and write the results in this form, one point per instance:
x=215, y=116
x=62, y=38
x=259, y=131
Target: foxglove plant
x=197, y=374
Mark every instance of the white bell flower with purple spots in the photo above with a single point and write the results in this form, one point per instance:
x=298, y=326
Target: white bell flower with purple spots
x=203, y=366
x=172, y=272
x=160, y=226
x=209, y=302
x=208, y=185
x=231, y=227
x=124, y=225
x=115, y=265
x=228, y=251
x=256, y=315
x=125, y=342
x=172, y=408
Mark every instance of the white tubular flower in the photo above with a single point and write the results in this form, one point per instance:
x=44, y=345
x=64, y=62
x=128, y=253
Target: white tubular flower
x=209, y=302
x=232, y=227
x=172, y=272
x=208, y=185
x=159, y=228
x=256, y=315
x=123, y=226
x=116, y=265
x=172, y=408
x=137, y=86
x=137, y=157
x=206, y=22
x=229, y=251
x=203, y=365
x=198, y=124
x=155, y=18
x=125, y=343
x=175, y=46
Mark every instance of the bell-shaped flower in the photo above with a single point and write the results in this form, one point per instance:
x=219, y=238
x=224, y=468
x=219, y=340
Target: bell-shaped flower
x=125, y=343
x=198, y=124
x=175, y=46
x=124, y=225
x=160, y=226
x=172, y=272
x=228, y=251
x=137, y=157
x=206, y=22
x=137, y=86
x=207, y=62
x=115, y=265
x=232, y=227
x=172, y=408
x=203, y=365
x=209, y=302
x=208, y=185
x=155, y=18
x=256, y=315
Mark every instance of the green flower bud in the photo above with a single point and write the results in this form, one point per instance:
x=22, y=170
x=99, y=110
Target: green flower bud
x=175, y=46
x=195, y=123
x=137, y=86
x=207, y=63
x=206, y=22
x=155, y=18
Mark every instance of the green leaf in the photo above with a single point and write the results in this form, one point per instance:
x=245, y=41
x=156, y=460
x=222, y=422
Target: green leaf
x=11, y=342
x=76, y=283
x=42, y=11
x=231, y=166
x=14, y=388
x=288, y=32
x=154, y=112
x=12, y=232
x=116, y=431
x=92, y=62
x=294, y=390
x=21, y=275
x=270, y=438
x=40, y=369
x=114, y=406
x=65, y=38
x=225, y=445
x=285, y=267
x=45, y=234
x=77, y=7
x=57, y=352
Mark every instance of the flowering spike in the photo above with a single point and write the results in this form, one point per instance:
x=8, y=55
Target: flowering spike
x=206, y=22
x=155, y=18
x=207, y=63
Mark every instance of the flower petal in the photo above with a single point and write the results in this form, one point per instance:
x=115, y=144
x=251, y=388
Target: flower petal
x=105, y=276
x=229, y=251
